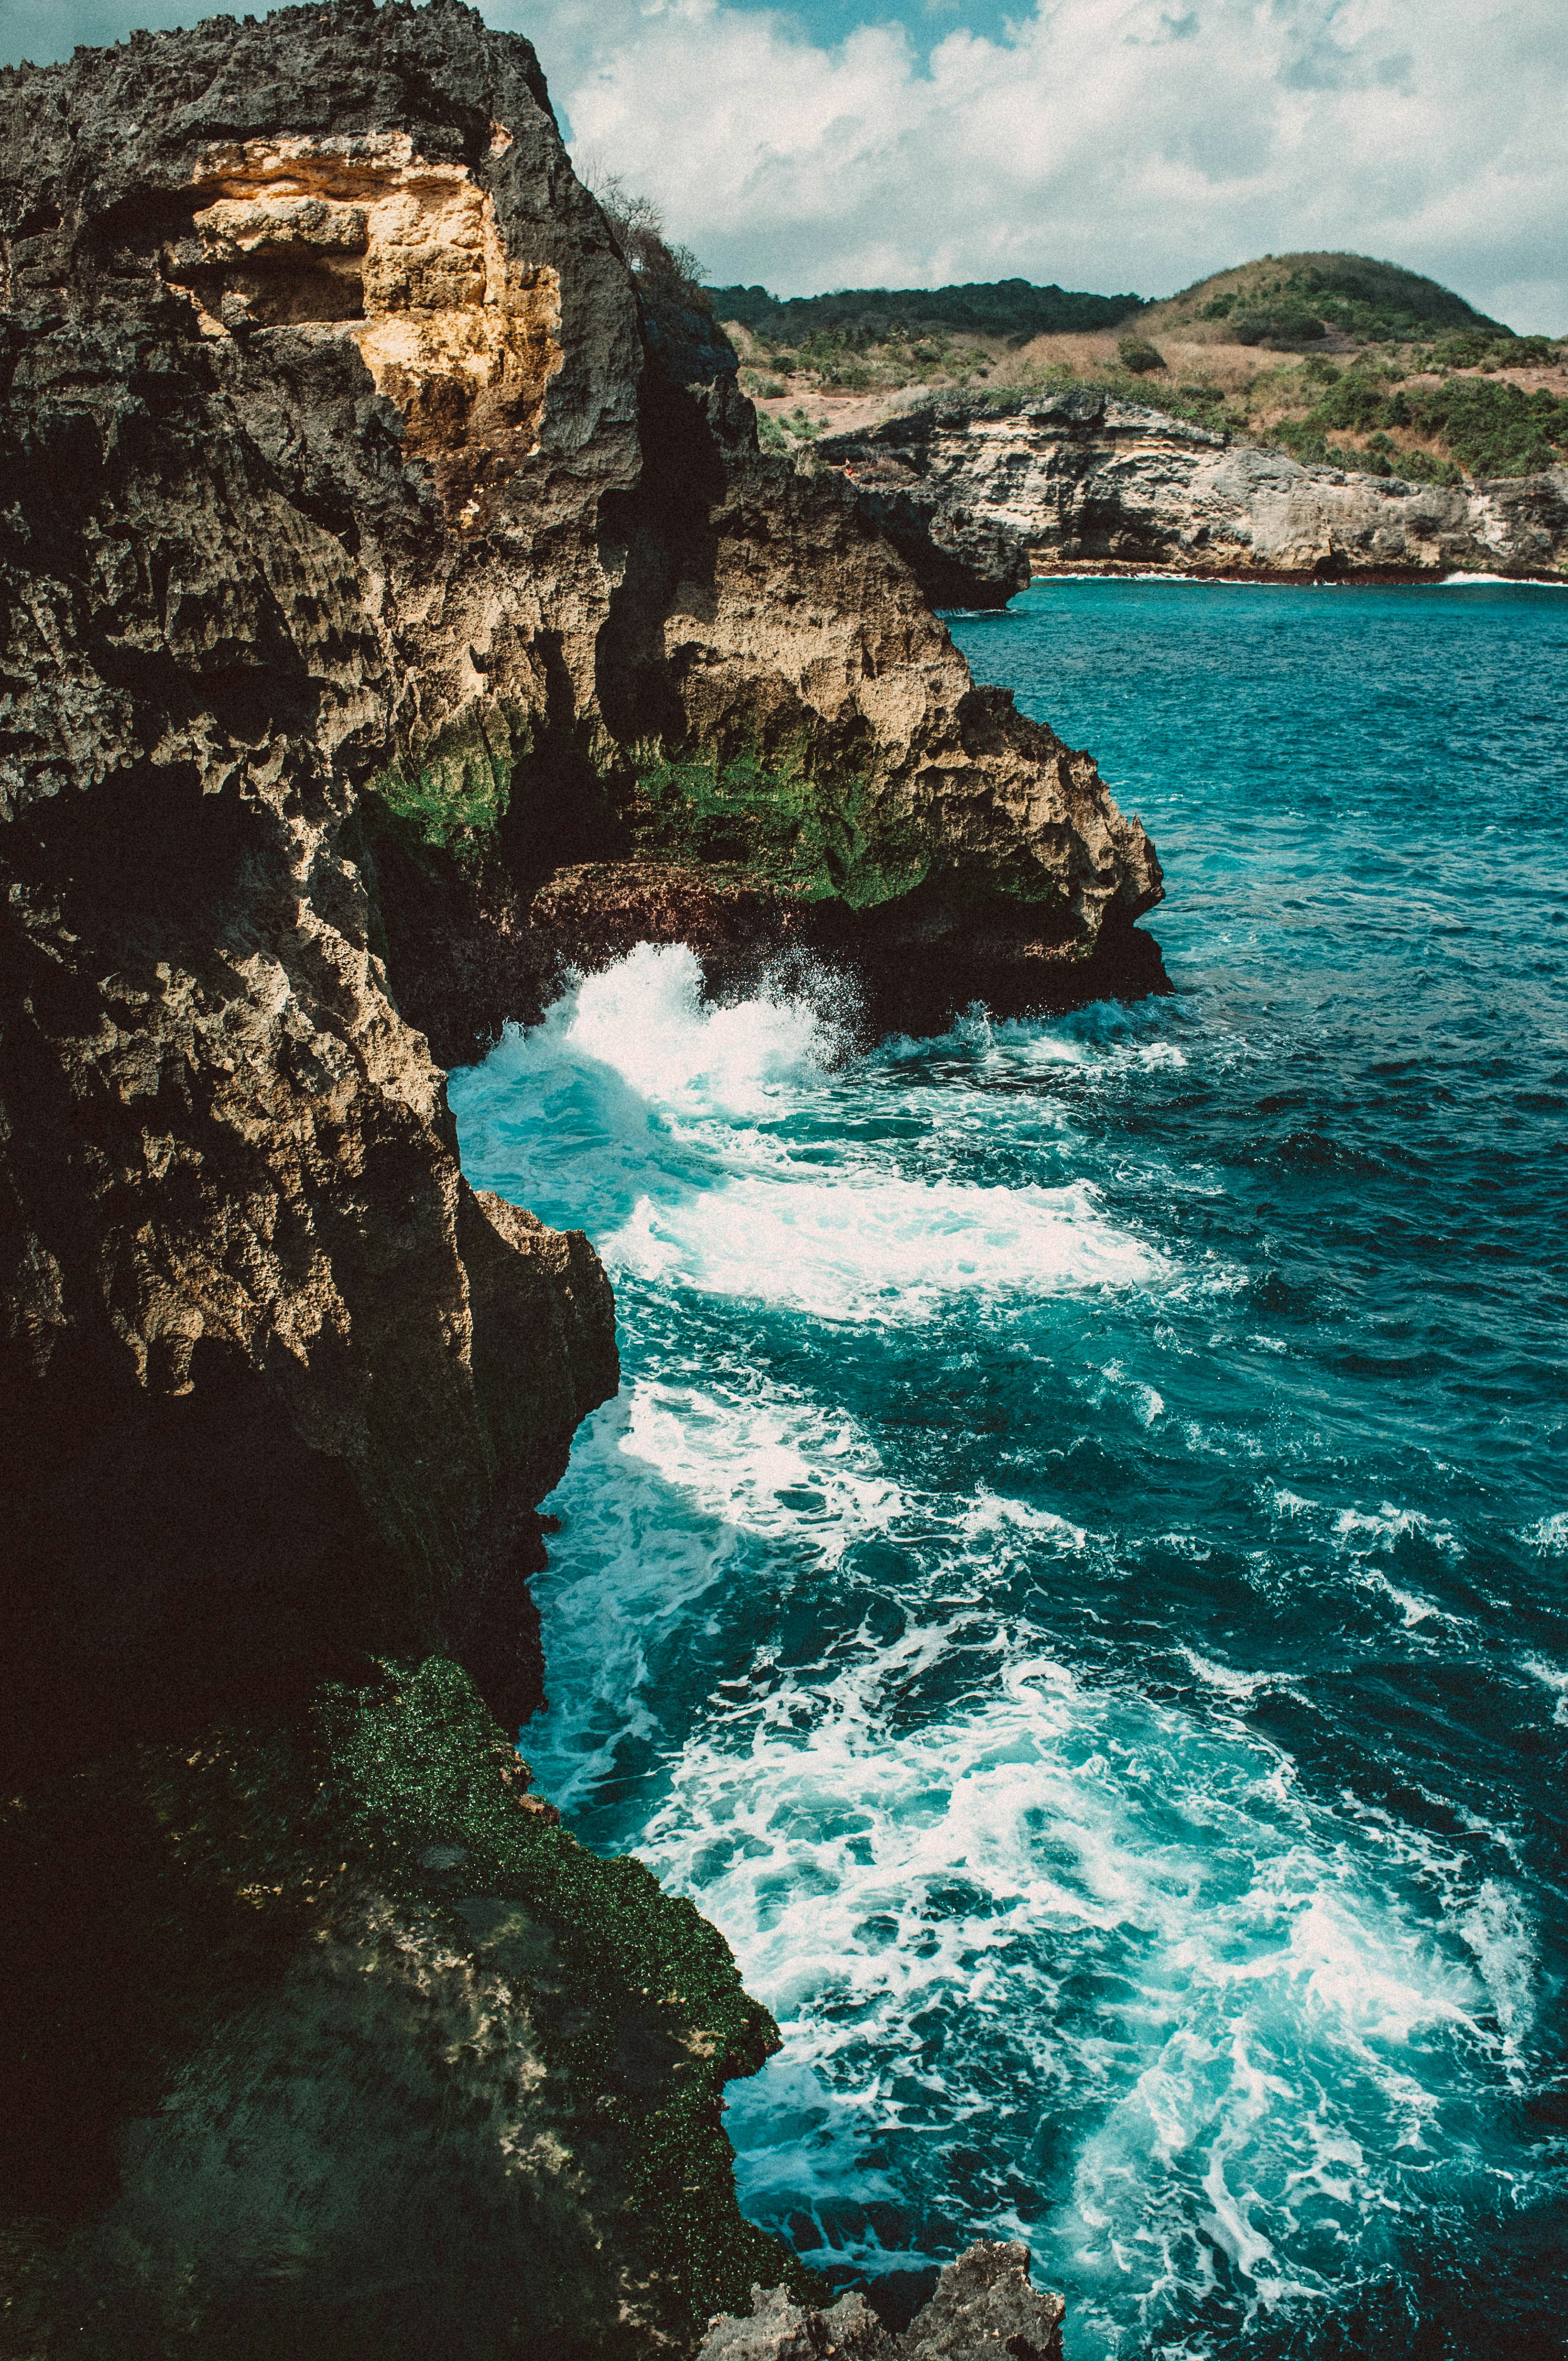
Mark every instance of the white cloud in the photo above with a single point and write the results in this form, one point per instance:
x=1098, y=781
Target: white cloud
x=1106, y=144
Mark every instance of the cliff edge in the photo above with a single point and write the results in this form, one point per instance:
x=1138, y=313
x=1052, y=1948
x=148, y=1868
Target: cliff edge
x=1080, y=478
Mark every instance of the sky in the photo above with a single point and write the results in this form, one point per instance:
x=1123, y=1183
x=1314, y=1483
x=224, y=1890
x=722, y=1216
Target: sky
x=1113, y=144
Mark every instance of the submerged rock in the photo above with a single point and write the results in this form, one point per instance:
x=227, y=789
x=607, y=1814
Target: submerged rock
x=983, y=2305
x=1082, y=478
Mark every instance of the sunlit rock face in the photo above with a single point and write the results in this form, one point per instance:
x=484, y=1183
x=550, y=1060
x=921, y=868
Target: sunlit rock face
x=367, y=230
x=1081, y=477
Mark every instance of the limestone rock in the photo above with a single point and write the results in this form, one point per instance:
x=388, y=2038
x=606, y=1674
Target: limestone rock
x=985, y=2305
x=1081, y=476
x=959, y=557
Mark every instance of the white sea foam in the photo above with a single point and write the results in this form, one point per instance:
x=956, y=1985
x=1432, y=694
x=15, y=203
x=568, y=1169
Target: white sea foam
x=1505, y=581
x=975, y=1867
x=1553, y=1677
x=1380, y=1529
x=1257, y=1988
x=862, y=1245
x=1242, y=1686
x=755, y=1217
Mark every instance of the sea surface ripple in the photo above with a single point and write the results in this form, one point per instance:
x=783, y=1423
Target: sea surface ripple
x=1076, y=1581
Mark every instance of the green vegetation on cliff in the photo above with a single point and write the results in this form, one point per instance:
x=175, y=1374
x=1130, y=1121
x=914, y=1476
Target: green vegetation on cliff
x=818, y=833
x=1012, y=308
x=454, y=790
x=1489, y=429
x=325, y=2039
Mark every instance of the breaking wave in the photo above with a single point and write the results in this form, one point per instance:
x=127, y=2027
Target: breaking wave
x=1066, y=1585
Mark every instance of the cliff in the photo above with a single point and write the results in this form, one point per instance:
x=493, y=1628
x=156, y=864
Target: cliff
x=1079, y=477
x=390, y=618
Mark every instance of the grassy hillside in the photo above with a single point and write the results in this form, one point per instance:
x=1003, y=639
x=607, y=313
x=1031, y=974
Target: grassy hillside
x=1338, y=358
x=1287, y=299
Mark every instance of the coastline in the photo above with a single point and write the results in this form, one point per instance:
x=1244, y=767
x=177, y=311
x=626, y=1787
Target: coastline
x=1370, y=577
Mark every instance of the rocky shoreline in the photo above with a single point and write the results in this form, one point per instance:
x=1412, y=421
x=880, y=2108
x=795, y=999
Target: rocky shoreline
x=398, y=611
x=1082, y=481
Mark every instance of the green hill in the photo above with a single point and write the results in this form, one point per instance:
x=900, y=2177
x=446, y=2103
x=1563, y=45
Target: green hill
x=1290, y=299
x=1012, y=308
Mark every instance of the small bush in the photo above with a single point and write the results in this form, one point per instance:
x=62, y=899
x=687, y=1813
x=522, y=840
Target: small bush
x=1355, y=400
x=1421, y=467
x=1491, y=429
x=658, y=266
x=1136, y=353
x=1281, y=326
x=771, y=436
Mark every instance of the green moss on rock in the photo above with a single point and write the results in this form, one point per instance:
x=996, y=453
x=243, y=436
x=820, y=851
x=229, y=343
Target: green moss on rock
x=336, y=2041
x=819, y=832
x=453, y=791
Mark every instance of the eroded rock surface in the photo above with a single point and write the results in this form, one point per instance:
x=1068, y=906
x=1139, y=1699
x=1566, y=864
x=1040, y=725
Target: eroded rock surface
x=1079, y=477
x=985, y=2305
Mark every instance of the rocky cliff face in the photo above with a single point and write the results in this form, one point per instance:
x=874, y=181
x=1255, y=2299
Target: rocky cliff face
x=385, y=623
x=1079, y=477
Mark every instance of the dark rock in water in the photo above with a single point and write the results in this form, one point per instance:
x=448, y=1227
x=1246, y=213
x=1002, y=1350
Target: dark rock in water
x=983, y=2305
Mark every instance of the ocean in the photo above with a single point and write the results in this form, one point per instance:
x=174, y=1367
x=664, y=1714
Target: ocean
x=1075, y=1584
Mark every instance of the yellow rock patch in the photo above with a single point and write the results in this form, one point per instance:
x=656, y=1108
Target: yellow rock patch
x=363, y=238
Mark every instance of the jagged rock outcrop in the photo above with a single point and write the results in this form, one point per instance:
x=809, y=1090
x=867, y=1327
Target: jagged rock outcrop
x=387, y=618
x=1081, y=477
x=984, y=2304
x=959, y=557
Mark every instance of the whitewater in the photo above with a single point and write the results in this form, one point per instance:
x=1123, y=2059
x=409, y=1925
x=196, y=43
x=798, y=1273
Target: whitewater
x=1075, y=1583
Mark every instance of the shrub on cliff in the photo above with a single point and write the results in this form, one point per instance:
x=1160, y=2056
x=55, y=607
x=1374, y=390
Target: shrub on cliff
x=1136, y=353
x=1491, y=429
x=658, y=266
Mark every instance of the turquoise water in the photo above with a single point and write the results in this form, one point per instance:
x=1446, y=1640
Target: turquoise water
x=1076, y=1581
